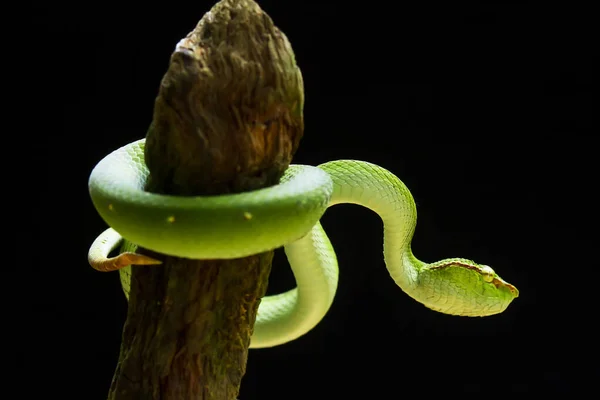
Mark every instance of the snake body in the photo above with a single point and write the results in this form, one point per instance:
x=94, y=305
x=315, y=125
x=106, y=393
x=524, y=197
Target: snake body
x=286, y=214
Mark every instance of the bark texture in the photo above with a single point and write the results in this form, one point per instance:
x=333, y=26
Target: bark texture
x=228, y=118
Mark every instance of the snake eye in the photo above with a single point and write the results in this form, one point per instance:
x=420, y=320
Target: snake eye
x=487, y=273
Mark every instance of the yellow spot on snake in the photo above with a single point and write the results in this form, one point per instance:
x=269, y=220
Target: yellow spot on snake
x=171, y=219
x=110, y=207
x=247, y=215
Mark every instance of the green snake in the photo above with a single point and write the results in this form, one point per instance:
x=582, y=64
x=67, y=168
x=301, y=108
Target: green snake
x=286, y=214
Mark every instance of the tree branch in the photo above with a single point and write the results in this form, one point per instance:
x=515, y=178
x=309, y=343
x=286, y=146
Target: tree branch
x=228, y=118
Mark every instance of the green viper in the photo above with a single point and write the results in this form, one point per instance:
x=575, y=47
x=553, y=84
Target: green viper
x=287, y=214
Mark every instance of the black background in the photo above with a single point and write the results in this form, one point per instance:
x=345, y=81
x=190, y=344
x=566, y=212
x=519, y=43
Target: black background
x=485, y=112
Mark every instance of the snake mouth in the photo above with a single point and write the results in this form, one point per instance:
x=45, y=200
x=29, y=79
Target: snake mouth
x=513, y=290
x=499, y=283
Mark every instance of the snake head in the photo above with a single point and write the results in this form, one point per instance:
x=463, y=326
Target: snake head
x=462, y=287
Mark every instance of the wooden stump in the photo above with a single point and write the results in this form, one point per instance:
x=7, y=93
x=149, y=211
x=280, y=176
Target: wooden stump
x=228, y=118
